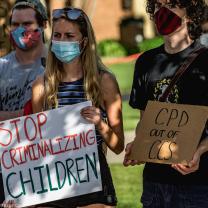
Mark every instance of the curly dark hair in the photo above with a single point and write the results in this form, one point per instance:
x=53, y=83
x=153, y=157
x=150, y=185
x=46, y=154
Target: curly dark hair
x=195, y=10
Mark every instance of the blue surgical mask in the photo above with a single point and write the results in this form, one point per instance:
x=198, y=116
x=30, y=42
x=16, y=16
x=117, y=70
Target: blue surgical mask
x=65, y=51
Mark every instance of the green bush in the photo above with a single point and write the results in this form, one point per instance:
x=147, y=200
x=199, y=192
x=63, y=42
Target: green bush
x=148, y=44
x=111, y=48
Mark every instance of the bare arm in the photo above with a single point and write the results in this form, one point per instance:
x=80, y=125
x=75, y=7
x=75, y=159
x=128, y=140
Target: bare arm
x=112, y=132
x=193, y=165
x=38, y=95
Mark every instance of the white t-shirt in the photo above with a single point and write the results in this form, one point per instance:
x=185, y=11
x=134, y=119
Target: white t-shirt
x=16, y=81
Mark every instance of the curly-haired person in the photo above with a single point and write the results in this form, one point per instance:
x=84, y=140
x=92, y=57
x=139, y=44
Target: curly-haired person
x=179, y=22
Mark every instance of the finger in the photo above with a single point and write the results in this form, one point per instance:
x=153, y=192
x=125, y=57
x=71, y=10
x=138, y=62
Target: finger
x=135, y=162
x=184, y=169
x=90, y=109
x=187, y=169
x=178, y=169
x=86, y=108
x=126, y=162
x=90, y=113
x=192, y=164
x=194, y=161
x=128, y=148
x=87, y=113
x=88, y=119
x=8, y=204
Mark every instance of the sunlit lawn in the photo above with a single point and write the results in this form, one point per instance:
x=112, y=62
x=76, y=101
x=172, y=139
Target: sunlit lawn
x=124, y=75
x=130, y=117
x=128, y=185
x=127, y=180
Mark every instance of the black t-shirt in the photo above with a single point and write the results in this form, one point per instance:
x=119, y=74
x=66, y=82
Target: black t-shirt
x=154, y=70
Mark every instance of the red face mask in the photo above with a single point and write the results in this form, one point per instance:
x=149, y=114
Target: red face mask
x=167, y=21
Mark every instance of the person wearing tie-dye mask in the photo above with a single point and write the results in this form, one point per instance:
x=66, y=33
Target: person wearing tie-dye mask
x=179, y=22
x=20, y=68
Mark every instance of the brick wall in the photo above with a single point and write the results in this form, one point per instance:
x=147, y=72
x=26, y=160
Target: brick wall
x=106, y=18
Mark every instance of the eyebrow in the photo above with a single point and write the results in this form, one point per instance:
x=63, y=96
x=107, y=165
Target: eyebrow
x=66, y=33
x=25, y=22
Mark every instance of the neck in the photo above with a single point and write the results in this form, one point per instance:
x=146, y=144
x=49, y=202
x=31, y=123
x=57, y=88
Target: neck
x=29, y=56
x=177, y=41
x=73, y=71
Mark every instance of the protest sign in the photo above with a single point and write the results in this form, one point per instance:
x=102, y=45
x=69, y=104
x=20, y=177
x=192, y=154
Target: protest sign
x=49, y=156
x=169, y=133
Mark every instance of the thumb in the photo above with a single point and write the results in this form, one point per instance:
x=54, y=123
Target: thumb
x=194, y=161
x=128, y=148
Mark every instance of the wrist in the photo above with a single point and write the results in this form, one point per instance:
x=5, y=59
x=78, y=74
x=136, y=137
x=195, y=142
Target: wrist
x=101, y=125
x=202, y=148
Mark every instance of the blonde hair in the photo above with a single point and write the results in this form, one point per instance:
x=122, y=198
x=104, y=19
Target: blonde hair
x=92, y=65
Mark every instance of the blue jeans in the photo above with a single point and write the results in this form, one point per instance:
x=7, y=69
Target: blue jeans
x=156, y=195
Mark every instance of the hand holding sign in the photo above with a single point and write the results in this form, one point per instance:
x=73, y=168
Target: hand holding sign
x=169, y=133
x=193, y=165
x=128, y=161
x=9, y=204
x=92, y=114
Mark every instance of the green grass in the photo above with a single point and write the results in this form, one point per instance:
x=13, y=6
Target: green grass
x=127, y=180
x=130, y=117
x=124, y=75
x=128, y=185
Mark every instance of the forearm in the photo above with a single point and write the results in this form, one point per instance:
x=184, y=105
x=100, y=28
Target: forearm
x=203, y=146
x=5, y=115
x=114, y=140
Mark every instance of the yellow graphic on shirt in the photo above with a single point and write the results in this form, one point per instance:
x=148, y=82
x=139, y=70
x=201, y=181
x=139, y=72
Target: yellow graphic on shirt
x=160, y=87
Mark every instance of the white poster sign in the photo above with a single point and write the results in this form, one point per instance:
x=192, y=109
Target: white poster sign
x=48, y=156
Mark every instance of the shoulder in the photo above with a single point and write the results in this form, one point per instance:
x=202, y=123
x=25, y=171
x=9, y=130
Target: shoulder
x=202, y=59
x=38, y=94
x=107, y=78
x=7, y=59
x=38, y=85
x=148, y=55
x=204, y=53
x=109, y=85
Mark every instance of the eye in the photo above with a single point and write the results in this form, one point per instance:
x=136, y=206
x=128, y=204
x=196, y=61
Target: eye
x=14, y=24
x=56, y=35
x=68, y=35
x=26, y=24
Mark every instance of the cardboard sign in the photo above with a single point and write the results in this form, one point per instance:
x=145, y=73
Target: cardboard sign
x=49, y=156
x=169, y=133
